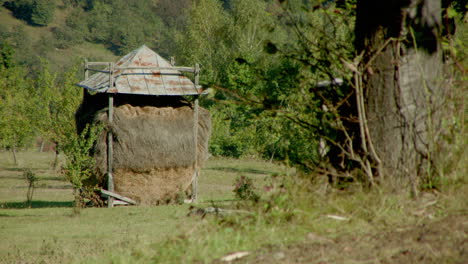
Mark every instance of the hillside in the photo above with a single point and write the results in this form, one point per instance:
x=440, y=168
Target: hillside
x=31, y=42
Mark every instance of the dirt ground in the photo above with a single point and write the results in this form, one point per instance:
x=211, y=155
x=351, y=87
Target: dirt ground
x=442, y=241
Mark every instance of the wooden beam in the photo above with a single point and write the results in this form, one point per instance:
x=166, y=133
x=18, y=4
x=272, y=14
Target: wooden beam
x=110, y=155
x=174, y=68
x=119, y=202
x=118, y=196
x=182, y=69
x=197, y=74
x=195, y=142
x=86, y=63
x=98, y=63
x=96, y=70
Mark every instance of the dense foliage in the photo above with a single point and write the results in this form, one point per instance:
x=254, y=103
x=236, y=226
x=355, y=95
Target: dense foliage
x=271, y=64
x=35, y=12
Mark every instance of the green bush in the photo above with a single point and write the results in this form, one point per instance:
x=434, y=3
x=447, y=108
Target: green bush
x=244, y=189
x=42, y=12
x=31, y=178
x=80, y=164
x=229, y=138
x=66, y=37
x=21, y=9
x=35, y=12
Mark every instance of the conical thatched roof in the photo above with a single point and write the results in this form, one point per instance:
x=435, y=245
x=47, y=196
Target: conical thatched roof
x=152, y=81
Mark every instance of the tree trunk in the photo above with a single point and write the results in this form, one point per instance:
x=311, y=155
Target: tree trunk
x=41, y=148
x=402, y=80
x=56, y=158
x=13, y=151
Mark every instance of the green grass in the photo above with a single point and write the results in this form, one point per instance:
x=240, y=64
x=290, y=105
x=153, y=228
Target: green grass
x=294, y=217
x=51, y=231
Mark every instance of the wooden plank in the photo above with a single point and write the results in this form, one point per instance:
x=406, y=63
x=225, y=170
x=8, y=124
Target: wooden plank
x=118, y=196
x=96, y=70
x=182, y=69
x=86, y=69
x=195, y=140
x=98, y=63
x=175, y=68
x=110, y=185
x=119, y=202
x=197, y=74
x=110, y=156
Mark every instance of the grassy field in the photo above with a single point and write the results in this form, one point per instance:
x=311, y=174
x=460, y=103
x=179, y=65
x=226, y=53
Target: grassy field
x=303, y=223
x=52, y=232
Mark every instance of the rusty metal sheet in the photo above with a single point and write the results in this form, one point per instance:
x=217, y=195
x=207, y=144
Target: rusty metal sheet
x=142, y=81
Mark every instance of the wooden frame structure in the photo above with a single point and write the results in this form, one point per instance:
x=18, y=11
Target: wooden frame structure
x=110, y=70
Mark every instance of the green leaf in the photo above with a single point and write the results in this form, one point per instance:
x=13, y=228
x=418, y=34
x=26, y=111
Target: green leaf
x=451, y=12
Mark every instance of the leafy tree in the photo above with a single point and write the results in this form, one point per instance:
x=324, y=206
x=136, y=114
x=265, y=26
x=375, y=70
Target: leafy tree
x=21, y=8
x=74, y=3
x=16, y=129
x=56, y=101
x=215, y=37
x=98, y=23
x=137, y=25
x=172, y=13
x=281, y=105
x=6, y=55
x=42, y=12
x=204, y=39
x=120, y=25
x=35, y=12
x=252, y=26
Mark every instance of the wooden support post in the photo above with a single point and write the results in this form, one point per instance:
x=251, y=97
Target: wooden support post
x=195, y=137
x=197, y=75
x=195, y=142
x=172, y=61
x=86, y=69
x=110, y=156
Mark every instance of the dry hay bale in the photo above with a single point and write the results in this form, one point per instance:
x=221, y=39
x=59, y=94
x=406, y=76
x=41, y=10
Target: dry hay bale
x=153, y=145
x=154, y=186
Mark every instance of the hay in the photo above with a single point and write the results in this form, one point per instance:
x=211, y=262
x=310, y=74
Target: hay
x=153, y=144
x=155, y=186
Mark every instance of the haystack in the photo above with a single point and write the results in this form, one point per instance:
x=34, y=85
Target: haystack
x=153, y=144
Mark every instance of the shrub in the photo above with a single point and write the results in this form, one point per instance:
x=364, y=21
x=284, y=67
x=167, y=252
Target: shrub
x=244, y=189
x=42, y=12
x=80, y=165
x=31, y=178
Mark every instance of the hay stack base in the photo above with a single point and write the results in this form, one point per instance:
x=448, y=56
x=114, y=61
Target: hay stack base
x=153, y=142
x=155, y=186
